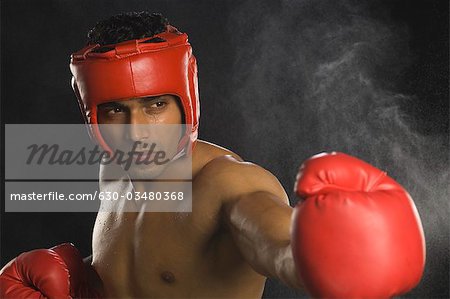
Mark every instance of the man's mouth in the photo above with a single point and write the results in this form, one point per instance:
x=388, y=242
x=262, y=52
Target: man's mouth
x=145, y=156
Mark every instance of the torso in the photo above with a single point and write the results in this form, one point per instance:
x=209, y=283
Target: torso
x=174, y=255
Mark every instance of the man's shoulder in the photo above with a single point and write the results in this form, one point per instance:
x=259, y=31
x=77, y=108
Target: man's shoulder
x=215, y=160
x=207, y=151
x=230, y=175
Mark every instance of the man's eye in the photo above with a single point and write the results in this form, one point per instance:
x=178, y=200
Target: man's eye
x=160, y=104
x=115, y=110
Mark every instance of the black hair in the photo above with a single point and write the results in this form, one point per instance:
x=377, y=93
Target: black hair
x=126, y=26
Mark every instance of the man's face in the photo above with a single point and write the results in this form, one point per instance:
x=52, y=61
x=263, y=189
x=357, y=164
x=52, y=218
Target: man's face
x=141, y=122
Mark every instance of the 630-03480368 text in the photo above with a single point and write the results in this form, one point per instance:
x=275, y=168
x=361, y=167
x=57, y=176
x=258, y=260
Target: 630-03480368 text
x=104, y=195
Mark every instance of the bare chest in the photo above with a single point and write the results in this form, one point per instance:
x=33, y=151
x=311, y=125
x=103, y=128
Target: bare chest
x=149, y=253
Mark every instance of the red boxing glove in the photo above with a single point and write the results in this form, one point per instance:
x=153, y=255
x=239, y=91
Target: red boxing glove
x=58, y=272
x=357, y=234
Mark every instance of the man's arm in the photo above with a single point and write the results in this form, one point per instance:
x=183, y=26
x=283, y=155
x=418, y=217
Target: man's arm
x=256, y=211
x=260, y=225
x=348, y=206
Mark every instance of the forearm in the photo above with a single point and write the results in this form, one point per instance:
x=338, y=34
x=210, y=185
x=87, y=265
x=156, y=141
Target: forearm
x=260, y=224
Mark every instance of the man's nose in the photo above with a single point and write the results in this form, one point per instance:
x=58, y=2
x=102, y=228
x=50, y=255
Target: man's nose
x=138, y=128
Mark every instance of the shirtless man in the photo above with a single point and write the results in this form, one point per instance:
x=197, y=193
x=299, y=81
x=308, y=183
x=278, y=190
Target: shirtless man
x=239, y=231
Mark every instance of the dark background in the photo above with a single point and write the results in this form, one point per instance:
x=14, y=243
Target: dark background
x=279, y=82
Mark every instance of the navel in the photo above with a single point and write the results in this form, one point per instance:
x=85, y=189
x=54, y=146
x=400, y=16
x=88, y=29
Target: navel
x=168, y=277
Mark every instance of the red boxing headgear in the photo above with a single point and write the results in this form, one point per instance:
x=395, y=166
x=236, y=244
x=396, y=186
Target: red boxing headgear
x=151, y=66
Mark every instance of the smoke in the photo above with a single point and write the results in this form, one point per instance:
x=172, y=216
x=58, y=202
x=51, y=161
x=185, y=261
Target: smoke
x=314, y=76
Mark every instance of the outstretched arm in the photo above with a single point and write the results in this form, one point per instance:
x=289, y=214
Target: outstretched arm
x=260, y=224
x=356, y=234
x=256, y=211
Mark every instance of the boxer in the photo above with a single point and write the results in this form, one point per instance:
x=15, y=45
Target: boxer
x=355, y=233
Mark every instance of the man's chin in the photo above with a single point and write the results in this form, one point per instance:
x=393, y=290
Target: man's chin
x=146, y=172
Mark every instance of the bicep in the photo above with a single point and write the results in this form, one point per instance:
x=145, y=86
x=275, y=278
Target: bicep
x=259, y=207
x=249, y=194
x=259, y=224
x=259, y=215
x=254, y=210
